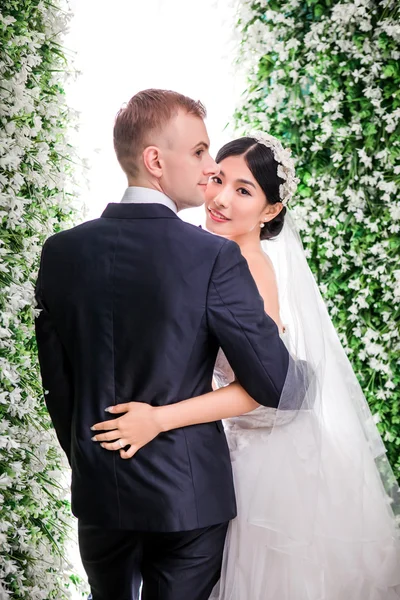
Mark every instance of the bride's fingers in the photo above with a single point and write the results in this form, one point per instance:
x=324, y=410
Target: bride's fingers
x=106, y=437
x=119, y=408
x=114, y=445
x=105, y=425
x=128, y=453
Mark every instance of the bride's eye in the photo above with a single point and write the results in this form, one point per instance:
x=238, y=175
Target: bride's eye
x=216, y=179
x=244, y=192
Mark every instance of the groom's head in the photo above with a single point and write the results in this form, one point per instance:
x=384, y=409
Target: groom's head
x=161, y=142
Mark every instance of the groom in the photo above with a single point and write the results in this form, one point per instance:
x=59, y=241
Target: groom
x=134, y=306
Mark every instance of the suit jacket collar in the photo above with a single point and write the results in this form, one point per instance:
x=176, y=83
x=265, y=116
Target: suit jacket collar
x=138, y=211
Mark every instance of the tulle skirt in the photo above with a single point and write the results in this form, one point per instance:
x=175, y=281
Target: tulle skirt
x=308, y=527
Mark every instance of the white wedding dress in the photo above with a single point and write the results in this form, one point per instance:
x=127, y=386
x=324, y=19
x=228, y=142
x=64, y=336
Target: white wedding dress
x=294, y=539
x=316, y=496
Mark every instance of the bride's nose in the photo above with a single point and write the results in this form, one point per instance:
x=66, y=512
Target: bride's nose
x=222, y=199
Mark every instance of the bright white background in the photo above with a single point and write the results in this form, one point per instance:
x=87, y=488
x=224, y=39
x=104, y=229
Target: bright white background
x=124, y=46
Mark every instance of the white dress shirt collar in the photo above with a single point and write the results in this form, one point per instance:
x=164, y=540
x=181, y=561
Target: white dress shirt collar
x=141, y=195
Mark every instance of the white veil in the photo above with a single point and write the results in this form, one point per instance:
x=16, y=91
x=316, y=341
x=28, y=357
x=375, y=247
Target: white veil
x=316, y=494
x=332, y=443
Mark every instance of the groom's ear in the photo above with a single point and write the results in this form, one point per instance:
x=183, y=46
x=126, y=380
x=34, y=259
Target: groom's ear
x=151, y=160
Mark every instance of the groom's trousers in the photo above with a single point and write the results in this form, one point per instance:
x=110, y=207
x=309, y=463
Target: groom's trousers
x=172, y=566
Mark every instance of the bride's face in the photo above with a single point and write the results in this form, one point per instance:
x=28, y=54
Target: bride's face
x=235, y=203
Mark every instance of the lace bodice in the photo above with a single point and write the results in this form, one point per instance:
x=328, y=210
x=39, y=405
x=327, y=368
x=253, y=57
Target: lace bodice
x=223, y=373
x=240, y=429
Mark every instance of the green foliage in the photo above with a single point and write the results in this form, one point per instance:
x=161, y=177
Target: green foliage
x=324, y=77
x=36, y=199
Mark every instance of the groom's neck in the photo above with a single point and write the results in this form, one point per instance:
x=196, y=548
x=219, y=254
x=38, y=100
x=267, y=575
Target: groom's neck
x=144, y=183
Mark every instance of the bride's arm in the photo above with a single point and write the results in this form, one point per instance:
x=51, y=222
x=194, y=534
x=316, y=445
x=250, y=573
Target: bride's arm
x=224, y=403
x=142, y=422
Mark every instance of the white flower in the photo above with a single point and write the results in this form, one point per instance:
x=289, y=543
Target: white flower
x=9, y=20
x=315, y=147
x=337, y=157
x=332, y=105
x=354, y=284
x=364, y=158
x=5, y=481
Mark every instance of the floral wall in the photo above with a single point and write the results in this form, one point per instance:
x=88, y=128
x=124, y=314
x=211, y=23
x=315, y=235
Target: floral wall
x=324, y=77
x=37, y=197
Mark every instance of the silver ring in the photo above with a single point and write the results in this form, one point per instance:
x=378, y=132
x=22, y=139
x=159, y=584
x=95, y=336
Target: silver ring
x=121, y=444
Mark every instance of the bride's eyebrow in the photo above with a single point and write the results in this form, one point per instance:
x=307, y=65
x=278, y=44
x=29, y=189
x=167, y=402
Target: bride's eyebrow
x=245, y=181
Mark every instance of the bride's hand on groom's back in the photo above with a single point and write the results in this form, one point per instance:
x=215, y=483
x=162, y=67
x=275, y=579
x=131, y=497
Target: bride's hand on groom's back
x=136, y=427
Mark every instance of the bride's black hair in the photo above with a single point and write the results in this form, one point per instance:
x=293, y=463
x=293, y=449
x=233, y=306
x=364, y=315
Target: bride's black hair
x=264, y=168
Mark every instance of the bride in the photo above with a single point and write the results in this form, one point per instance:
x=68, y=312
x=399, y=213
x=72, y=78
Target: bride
x=314, y=489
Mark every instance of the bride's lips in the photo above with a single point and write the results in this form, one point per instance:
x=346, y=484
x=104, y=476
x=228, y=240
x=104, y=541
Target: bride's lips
x=215, y=215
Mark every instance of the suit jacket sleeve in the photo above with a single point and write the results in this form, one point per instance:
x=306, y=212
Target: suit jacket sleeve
x=248, y=336
x=55, y=370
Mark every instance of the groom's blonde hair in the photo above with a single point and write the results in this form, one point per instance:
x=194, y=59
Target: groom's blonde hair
x=146, y=112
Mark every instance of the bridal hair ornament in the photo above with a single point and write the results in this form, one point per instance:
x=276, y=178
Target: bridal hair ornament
x=286, y=170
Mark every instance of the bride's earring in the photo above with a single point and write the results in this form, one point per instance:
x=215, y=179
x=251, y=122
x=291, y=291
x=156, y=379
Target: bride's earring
x=262, y=225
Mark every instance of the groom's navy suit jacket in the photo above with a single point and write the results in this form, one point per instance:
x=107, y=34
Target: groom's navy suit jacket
x=135, y=306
